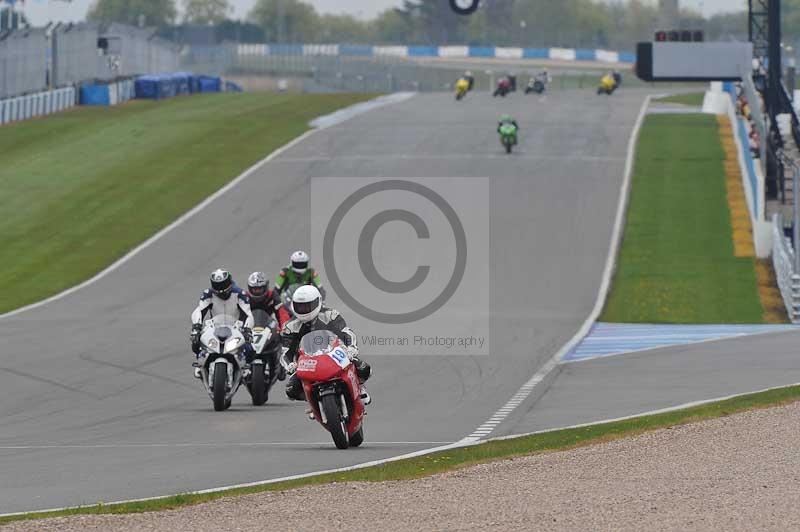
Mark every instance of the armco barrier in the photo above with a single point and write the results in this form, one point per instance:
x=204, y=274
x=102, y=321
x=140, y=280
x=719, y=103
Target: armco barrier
x=38, y=104
x=782, y=261
x=499, y=52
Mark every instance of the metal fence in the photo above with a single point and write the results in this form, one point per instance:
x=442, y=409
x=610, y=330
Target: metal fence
x=34, y=60
x=75, y=55
x=328, y=69
x=23, y=62
x=783, y=262
x=140, y=51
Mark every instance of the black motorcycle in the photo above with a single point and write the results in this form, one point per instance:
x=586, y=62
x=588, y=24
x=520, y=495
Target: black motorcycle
x=535, y=85
x=263, y=363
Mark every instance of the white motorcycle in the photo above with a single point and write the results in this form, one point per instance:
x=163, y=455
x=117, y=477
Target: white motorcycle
x=221, y=359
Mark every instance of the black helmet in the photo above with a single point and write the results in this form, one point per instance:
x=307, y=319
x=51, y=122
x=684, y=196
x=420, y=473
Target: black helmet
x=221, y=283
x=257, y=285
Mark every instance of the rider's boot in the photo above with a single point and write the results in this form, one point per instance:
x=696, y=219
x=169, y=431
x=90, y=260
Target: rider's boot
x=365, y=398
x=197, y=373
x=310, y=413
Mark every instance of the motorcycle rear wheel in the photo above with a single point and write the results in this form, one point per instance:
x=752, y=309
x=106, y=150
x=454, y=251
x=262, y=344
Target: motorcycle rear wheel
x=335, y=424
x=219, y=385
x=258, y=386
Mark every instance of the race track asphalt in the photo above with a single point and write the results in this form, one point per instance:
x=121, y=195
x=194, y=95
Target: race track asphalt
x=97, y=401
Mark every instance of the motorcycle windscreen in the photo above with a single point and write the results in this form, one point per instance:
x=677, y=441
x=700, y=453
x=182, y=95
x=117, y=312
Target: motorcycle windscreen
x=261, y=318
x=317, y=342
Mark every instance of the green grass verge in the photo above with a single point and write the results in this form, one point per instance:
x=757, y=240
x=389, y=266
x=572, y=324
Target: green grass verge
x=83, y=187
x=690, y=98
x=463, y=457
x=676, y=263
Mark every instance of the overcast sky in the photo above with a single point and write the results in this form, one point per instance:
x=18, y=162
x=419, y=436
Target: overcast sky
x=42, y=11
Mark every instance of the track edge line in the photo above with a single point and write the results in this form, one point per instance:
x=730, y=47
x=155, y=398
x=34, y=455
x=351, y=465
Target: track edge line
x=611, y=259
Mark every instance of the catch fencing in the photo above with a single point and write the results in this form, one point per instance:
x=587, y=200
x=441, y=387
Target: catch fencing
x=33, y=60
x=451, y=52
x=23, y=62
x=360, y=68
x=140, y=51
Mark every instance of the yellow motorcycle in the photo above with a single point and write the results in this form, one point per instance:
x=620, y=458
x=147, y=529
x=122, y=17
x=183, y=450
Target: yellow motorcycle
x=462, y=87
x=607, y=85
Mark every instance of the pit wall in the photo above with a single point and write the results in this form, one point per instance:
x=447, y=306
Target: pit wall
x=721, y=99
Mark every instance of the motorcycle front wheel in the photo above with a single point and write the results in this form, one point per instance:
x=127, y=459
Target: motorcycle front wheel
x=218, y=387
x=258, y=386
x=335, y=424
x=357, y=438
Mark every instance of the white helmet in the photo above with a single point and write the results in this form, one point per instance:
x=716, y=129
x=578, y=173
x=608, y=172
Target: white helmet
x=306, y=303
x=299, y=262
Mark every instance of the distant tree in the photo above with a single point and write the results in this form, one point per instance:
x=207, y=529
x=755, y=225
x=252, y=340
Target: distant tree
x=727, y=26
x=343, y=29
x=286, y=20
x=433, y=21
x=392, y=26
x=158, y=13
x=236, y=31
x=207, y=11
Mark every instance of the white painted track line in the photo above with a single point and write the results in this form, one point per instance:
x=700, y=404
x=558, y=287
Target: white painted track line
x=527, y=388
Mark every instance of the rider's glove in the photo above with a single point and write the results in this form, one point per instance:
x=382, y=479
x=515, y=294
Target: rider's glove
x=352, y=351
x=247, y=332
x=291, y=367
x=194, y=337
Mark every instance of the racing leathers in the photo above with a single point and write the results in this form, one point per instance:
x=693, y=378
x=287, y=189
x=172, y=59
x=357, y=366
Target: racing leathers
x=270, y=303
x=507, y=121
x=288, y=277
x=237, y=306
x=327, y=319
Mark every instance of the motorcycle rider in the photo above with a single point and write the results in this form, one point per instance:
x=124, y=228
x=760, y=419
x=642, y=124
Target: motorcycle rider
x=263, y=298
x=462, y=87
x=503, y=86
x=312, y=315
x=223, y=298
x=298, y=272
x=470, y=79
x=507, y=119
x=544, y=77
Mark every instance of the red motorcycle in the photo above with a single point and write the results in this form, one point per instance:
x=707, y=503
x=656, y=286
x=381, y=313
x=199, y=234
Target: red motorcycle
x=503, y=87
x=331, y=386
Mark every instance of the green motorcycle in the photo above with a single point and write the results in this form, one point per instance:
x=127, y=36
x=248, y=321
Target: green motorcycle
x=508, y=136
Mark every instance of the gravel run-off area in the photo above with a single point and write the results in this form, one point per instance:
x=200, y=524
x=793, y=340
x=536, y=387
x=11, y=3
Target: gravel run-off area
x=740, y=472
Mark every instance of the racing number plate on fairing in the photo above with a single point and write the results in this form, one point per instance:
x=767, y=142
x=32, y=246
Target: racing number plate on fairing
x=340, y=357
